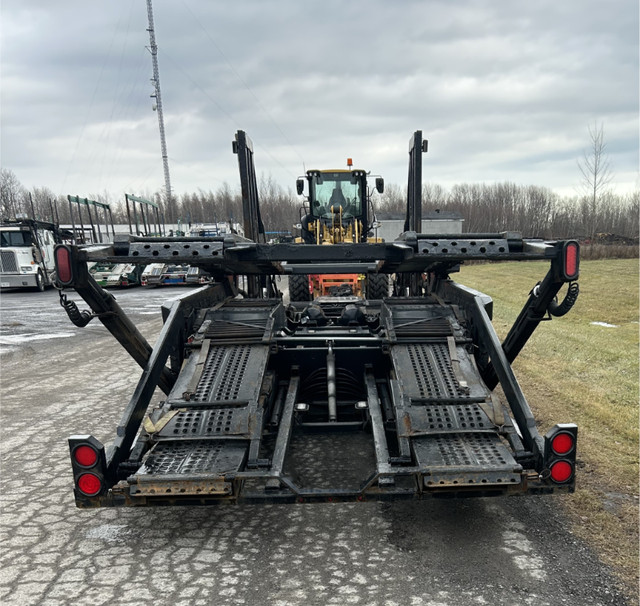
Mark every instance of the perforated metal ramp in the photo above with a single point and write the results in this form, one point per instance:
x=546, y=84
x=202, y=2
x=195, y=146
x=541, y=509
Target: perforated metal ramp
x=440, y=403
x=211, y=425
x=427, y=374
x=195, y=467
x=465, y=460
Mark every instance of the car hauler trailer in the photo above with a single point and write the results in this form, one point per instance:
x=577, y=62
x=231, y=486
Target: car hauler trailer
x=250, y=382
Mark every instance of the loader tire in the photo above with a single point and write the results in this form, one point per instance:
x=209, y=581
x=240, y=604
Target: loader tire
x=377, y=286
x=299, y=288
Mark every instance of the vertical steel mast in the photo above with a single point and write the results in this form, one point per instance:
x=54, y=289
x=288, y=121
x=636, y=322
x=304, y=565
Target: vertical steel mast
x=153, y=49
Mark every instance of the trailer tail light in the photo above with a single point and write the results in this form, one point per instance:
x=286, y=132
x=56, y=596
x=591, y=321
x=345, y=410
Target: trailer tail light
x=561, y=471
x=89, y=484
x=89, y=466
x=562, y=443
x=64, y=268
x=571, y=260
x=85, y=455
x=560, y=453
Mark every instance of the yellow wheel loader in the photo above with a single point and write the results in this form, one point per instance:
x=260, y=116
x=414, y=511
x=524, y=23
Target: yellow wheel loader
x=338, y=210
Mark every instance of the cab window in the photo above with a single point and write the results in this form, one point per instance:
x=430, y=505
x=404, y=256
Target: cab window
x=337, y=190
x=15, y=238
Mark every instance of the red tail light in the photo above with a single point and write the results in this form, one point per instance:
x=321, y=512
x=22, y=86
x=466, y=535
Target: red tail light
x=63, y=264
x=89, y=484
x=562, y=443
x=561, y=471
x=571, y=264
x=85, y=456
x=88, y=461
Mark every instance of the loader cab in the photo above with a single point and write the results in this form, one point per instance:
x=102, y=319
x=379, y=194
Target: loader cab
x=334, y=192
x=339, y=206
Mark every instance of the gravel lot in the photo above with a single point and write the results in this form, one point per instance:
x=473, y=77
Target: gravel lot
x=58, y=380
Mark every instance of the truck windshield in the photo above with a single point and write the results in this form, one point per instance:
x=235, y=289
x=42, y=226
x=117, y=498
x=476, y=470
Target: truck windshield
x=339, y=189
x=15, y=238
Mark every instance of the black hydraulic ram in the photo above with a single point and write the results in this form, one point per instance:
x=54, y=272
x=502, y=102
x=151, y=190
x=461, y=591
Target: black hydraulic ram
x=565, y=267
x=73, y=273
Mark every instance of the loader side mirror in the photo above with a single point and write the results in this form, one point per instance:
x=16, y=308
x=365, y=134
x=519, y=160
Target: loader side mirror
x=380, y=185
x=300, y=186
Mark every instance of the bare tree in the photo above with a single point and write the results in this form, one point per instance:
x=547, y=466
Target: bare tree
x=11, y=194
x=596, y=176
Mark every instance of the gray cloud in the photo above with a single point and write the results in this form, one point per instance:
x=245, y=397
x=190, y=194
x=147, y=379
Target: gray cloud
x=503, y=90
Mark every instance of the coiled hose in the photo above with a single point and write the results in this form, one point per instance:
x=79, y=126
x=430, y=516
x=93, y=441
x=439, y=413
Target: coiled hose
x=560, y=309
x=79, y=318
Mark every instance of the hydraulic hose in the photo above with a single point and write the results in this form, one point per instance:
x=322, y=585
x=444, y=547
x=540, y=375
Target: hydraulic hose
x=79, y=318
x=560, y=309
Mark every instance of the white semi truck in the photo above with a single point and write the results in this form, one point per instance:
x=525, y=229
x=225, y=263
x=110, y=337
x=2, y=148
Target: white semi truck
x=26, y=253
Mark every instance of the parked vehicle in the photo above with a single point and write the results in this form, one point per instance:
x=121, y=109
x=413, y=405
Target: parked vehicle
x=26, y=253
x=338, y=210
x=116, y=275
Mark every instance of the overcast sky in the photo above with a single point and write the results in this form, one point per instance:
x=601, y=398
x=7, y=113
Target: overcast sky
x=503, y=90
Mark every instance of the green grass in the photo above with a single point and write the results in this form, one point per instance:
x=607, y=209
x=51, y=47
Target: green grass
x=572, y=370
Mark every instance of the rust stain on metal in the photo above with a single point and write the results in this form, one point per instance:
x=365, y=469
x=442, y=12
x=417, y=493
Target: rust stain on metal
x=184, y=487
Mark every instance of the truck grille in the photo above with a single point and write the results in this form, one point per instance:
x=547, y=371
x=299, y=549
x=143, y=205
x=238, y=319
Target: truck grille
x=8, y=263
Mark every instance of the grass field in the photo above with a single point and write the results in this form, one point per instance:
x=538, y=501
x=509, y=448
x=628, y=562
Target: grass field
x=574, y=370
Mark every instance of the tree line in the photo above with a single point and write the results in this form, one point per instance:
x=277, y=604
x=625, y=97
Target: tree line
x=529, y=209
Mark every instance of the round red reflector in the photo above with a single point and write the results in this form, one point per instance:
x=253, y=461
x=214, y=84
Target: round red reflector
x=562, y=443
x=85, y=456
x=89, y=484
x=561, y=471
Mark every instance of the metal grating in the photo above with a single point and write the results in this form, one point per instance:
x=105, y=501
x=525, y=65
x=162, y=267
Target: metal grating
x=217, y=422
x=8, y=263
x=194, y=457
x=463, y=459
x=223, y=373
x=227, y=331
x=442, y=418
x=475, y=449
x=432, y=372
x=424, y=328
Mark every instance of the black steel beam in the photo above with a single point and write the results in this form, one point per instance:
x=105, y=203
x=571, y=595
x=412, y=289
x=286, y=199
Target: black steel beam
x=239, y=256
x=413, y=219
x=104, y=306
x=153, y=370
x=286, y=425
x=377, y=424
x=475, y=306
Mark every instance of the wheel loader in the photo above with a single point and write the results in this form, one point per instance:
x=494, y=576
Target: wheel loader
x=338, y=210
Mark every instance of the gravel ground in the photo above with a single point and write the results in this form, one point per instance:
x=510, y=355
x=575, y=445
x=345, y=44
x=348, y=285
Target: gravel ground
x=58, y=380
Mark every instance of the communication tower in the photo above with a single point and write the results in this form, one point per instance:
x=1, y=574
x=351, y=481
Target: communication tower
x=153, y=49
